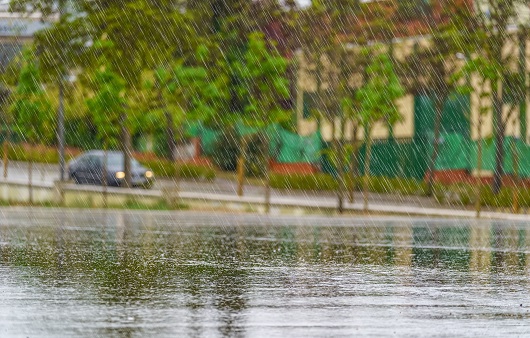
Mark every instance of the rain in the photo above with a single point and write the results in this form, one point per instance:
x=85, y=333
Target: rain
x=264, y=168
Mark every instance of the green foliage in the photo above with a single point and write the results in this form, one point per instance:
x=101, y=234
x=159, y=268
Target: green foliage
x=40, y=154
x=134, y=26
x=227, y=151
x=377, y=97
x=81, y=133
x=263, y=84
x=319, y=182
x=401, y=186
x=108, y=105
x=255, y=165
x=30, y=110
x=188, y=91
x=164, y=168
x=464, y=194
x=325, y=182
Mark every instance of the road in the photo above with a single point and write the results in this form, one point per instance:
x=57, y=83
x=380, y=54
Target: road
x=225, y=190
x=47, y=174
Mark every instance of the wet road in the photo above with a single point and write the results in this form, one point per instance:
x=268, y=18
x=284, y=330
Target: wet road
x=131, y=274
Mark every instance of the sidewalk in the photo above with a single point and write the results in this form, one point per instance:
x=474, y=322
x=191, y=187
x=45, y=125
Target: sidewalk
x=327, y=203
x=224, y=190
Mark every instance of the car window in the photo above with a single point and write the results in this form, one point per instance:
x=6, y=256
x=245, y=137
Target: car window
x=81, y=160
x=117, y=160
x=93, y=161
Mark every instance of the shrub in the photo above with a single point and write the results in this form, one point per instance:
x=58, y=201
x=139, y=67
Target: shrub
x=465, y=194
x=226, y=153
x=407, y=186
x=226, y=150
x=38, y=153
x=376, y=184
x=196, y=172
x=303, y=182
x=165, y=168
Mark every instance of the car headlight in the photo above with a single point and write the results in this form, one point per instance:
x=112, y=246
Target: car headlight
x=148, y=174
x=120, y=175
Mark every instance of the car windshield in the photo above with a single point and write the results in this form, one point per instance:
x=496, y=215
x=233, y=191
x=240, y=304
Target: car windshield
x=116, y=160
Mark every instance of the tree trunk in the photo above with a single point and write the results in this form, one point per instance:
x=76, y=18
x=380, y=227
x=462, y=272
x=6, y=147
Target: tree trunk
x=6, y=154
x=522, y=70
x=60, y=130
x=105, y=174
x=367, y=158
x=478, y=185
x=339, y=151
x=353, y=163
x=334, y=159
x=498, y=128
x=127, y=151
x=515, y=158
x=30, y=175
x=172, y=145
x=176, y=179
x=267, y=174
x=439, y=105
x=241, y=165
x=171, y=137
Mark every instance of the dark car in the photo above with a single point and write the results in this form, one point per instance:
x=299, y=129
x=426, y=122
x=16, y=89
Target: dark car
x=88, y=169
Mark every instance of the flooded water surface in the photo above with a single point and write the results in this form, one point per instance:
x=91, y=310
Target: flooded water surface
x=73, y=273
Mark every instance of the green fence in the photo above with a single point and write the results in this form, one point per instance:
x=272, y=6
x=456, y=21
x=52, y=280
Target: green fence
x=285, y=147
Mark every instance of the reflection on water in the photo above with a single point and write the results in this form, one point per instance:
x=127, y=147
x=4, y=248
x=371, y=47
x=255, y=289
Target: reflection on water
x=132, y=274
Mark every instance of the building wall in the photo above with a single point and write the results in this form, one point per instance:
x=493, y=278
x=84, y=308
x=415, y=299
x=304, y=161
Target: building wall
x=17, y=29
x=406, y=129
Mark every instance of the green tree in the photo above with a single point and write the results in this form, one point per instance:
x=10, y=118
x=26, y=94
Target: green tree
x=431, y=68
x=377, y=104
x=187, y=92
x=352, y=75
x=322, y=28
x=263, y=88
x=482, y=70
x=491, y=37
x=108, y=107
x=58, y=52
x=31, y=110
x=136, y=29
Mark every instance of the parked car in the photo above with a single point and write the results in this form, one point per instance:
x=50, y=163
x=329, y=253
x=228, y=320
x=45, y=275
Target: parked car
x=88, y=168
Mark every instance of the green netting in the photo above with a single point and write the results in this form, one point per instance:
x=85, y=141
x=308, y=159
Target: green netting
x=488, y=154
x=454, y=118
x=194, y=129
x=384, y=159
x=397, y=159
x=453, y=152
x=285, y=147
x=288, y=147
x=459, y=153
x=209, y=139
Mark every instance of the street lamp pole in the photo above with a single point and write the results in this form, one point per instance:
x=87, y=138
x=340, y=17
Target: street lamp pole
x=60, y=113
